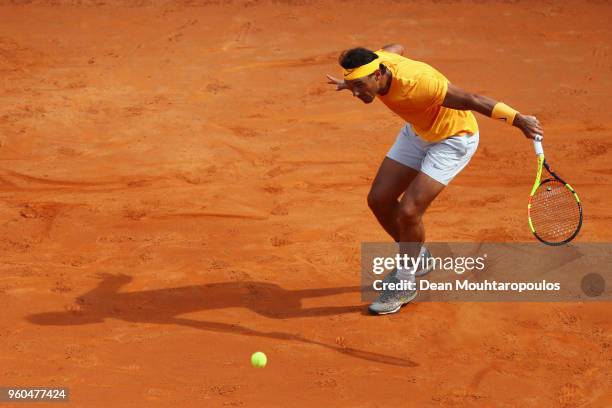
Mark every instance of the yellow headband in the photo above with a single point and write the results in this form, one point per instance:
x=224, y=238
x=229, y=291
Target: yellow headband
x=362, y=71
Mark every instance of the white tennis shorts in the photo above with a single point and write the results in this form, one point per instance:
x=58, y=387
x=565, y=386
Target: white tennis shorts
x=441, y=160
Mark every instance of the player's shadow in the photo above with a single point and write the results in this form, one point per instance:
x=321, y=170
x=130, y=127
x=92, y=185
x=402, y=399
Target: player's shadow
x=164, y=306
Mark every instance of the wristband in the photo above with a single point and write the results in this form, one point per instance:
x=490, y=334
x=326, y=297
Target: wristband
x=503, y=112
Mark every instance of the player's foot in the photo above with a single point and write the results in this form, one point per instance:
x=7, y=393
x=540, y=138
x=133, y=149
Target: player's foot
x=390, y=301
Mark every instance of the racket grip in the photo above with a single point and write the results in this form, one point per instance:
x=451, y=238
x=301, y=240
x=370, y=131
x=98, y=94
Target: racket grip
x=537, y=145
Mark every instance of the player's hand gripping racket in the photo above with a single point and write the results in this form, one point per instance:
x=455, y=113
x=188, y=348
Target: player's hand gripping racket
x=554, y=209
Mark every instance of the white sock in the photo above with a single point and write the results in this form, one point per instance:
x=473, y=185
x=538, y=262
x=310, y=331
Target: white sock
x=408, y=272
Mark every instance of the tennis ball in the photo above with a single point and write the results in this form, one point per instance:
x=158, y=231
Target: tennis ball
x=259, y=360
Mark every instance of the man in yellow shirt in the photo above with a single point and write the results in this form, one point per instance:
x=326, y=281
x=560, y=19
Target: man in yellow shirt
x=437, y=142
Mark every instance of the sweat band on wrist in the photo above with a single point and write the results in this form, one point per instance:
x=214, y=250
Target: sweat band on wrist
x=503, y=112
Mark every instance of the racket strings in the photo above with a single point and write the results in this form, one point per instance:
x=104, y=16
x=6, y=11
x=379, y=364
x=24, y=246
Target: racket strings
x=555, y=213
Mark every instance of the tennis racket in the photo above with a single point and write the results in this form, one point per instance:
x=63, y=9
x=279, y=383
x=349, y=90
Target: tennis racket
x=554, y=210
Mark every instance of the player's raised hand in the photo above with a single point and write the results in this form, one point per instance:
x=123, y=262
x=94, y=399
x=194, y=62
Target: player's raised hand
x=340, y=84
x=529, y=125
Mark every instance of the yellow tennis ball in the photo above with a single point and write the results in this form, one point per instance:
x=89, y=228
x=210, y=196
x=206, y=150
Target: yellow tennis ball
x=259, y=359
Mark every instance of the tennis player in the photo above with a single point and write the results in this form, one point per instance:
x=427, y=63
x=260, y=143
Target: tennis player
x=438, y=140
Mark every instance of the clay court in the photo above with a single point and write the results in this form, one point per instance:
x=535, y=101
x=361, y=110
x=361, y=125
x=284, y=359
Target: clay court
x=180, y=188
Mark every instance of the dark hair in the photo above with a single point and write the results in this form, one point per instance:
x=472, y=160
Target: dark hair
x=356, y=57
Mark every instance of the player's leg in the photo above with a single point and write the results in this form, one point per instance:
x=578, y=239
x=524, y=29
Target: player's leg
x=442, y=162
x=395, y=174
x=391, y=180
x=409, y=222
x=415, y=201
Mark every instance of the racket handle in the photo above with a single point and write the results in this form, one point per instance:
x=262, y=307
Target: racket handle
x=537, y=145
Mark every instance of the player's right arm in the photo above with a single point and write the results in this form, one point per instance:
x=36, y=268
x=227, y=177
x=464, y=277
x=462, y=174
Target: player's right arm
x=457, y=98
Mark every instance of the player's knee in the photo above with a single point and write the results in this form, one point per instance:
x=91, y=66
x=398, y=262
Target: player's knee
x=409, y=214
x=377, y=201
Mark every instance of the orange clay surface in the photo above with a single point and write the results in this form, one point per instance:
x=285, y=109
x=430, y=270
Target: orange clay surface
x=180, y=188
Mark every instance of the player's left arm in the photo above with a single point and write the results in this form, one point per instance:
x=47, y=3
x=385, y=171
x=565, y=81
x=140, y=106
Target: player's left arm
x=457, y=98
